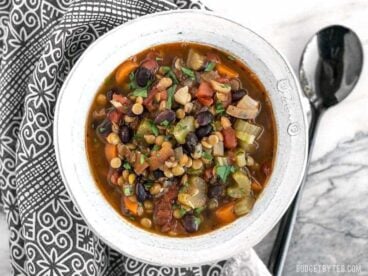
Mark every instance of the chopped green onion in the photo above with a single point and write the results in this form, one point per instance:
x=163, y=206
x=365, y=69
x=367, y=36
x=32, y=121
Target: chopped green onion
x=159, y=59
x=169, y=72
x=165, y=123
x=219, y=108
x=170, y=96
x=210, y=66
x=188, y=72
x=206, y=155
x=154, y=128
x=128, y=190
x=198, y=210
x=140, y=92
x=142, y=158
x=127, y=166
x=155, y=148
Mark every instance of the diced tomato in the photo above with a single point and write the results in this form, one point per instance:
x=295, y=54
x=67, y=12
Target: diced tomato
x=148, y=102
x=205, y=94
x=230, y=141
x=114, y=116
x=121, y=99
x=208, y=174
x=206, y=101
x=213, y=57
x=150, y=64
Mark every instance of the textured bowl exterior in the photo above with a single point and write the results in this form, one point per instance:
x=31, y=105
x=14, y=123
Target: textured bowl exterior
x=202, y=27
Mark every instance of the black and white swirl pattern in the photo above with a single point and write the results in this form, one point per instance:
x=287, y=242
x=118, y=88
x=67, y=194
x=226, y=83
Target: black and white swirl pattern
x=40, y=41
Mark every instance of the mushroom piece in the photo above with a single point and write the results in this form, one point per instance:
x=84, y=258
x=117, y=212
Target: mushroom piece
x=195, y=60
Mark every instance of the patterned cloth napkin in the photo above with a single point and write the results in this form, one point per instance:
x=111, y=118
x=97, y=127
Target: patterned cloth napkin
x=40, y=41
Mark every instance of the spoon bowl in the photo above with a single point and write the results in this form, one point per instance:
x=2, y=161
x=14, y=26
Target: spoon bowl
x=329, y=69
x=330, y=66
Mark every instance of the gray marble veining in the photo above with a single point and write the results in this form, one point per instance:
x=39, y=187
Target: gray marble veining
x=332, y=224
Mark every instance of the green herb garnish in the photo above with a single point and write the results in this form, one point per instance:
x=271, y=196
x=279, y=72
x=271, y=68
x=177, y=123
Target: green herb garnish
x=219, y=108
x=159, y=59
x=198, y=211
x=182, y=211
x=165, y=123
x=127, y=166
x=155, y=148
x=206, y=155
x=210, y=66
x=132, y=84
x=169, y=72
x=148, y=185
x=154, y=128
x=188, y=72
x=170, y=96
x=140, y=92
x=128, y=190
x=142, y=158
x=224, y=171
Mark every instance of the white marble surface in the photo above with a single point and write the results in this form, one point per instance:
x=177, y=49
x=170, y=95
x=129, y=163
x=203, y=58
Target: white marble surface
x=332, y=224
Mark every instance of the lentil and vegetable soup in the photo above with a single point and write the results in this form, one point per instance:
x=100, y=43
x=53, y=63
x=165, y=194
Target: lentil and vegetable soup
x=181, y=139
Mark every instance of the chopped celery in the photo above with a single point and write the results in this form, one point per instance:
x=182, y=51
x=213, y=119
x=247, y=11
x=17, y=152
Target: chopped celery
x=248, y=148
x=244, y=126
x=235, y=192
x=144, y=128
x=183, y=127
x=218, y=149
x=244, y=206
x=245, y=137
x=222, y=161
x=242, y=180
x=240, y=158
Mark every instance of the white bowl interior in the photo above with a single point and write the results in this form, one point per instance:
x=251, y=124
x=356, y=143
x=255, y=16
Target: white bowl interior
x=76, y=98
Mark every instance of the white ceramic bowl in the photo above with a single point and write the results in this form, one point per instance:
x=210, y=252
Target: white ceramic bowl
x=110, y=50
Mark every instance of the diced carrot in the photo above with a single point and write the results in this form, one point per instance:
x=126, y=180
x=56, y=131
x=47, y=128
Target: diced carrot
x=256, y=187
x=158, y=158
x=224, y=70
x=124, y=70
x=111, y=152
x=130, y=205
x=230, y=141
x=140, y=163
x=226, y=213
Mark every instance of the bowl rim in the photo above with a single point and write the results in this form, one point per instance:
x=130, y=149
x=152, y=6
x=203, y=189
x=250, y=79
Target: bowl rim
x=175, y=262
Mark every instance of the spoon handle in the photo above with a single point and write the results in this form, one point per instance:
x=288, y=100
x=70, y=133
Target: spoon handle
x=280, y=247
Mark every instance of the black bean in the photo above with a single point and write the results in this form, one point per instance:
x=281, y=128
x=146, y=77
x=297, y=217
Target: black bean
x=111, y=92
x=190, y=142
x=216, y=191
x=204, y=118
x=141, y=192
x=203, y=131
x=125, y=133
x=238, y=94
x=191, y=223
x=166, y=115
x=158, y=174
x=143, y=76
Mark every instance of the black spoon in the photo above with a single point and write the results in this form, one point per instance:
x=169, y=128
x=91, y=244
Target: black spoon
x=329, y=69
